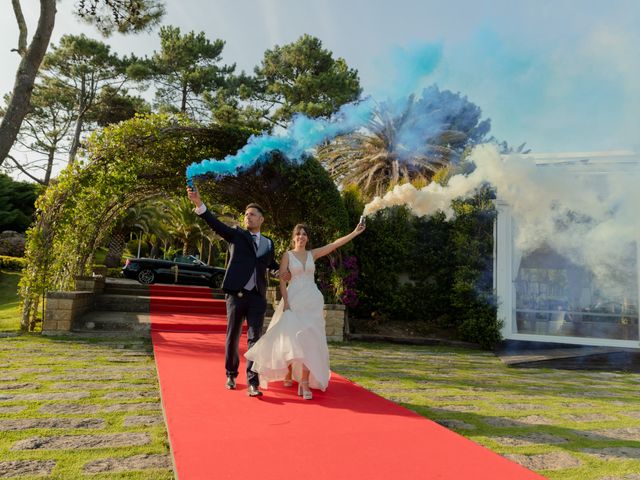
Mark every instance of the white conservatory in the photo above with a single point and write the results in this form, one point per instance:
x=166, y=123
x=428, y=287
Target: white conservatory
x=547, y=296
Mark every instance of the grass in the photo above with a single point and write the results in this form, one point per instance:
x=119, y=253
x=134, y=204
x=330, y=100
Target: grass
x=476, y=395
x=100, y=255
x=36, y=364
x=9, y=301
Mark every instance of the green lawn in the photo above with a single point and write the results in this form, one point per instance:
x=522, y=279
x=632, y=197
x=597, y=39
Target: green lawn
x=100, y=255
x=9, y=301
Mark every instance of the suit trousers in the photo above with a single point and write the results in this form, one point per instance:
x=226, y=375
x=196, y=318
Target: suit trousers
x=252, y=306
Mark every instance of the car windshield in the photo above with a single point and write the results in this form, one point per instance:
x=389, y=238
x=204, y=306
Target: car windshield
x=189, y=259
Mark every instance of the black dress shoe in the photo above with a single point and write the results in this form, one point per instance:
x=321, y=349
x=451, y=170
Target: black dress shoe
x=253, y=391
x=231, y=383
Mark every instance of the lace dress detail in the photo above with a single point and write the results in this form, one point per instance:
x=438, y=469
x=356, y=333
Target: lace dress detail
x=297, y=336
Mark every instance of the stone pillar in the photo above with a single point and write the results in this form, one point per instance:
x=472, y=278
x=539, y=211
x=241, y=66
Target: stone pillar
x=273, y=296
x=93, y=284
x=334, y=322
x=62, y=308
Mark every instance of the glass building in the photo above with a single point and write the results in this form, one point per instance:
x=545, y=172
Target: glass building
x=546, y=296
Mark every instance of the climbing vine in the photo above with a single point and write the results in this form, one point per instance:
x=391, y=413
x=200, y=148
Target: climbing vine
x=126, y=163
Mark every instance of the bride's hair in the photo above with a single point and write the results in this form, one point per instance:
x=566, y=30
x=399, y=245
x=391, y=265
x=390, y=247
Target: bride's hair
x=296, y=229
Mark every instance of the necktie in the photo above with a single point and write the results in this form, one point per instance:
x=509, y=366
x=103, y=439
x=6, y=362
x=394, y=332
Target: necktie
x=252, y=280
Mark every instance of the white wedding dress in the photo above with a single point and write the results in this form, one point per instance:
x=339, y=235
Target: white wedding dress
x=296, y=336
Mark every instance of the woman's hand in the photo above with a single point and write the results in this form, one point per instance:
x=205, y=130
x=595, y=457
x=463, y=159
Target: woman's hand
x=359, y=228
x=286, y=305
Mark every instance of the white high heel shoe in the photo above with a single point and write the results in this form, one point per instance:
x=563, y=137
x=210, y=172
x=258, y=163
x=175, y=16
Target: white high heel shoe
x=305, y=393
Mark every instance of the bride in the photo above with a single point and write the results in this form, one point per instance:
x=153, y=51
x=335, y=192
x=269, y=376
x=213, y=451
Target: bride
x=295, y=344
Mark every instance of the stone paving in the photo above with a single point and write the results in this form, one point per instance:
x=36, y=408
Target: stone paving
x=65, y=400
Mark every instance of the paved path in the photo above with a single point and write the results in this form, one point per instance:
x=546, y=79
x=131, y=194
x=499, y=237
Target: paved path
x=67, y=400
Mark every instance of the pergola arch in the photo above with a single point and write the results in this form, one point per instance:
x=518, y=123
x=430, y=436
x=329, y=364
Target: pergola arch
x=127, y=163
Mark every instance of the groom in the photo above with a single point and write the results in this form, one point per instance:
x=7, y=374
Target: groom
x=245, y=283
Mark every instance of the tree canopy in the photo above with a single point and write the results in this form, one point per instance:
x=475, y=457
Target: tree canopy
x=17, y=200
x=124, y=15
x=86, y=72
x=299, y=77
x=290, y=192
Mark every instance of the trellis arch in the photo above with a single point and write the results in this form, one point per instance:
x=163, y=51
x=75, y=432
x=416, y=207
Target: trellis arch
x=127, y=163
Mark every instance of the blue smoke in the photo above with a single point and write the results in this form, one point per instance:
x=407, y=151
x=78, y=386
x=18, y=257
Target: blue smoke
x=435, y=111
x=410, y=66
x=303, y=134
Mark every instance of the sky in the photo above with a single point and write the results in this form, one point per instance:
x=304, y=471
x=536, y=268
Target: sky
x=560, y=75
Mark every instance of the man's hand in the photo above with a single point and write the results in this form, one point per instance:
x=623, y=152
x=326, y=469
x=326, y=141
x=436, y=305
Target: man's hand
x=284, y=277
x=194, y=196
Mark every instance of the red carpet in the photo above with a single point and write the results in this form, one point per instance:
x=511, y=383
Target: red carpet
x=344, y=433
x=191, y=309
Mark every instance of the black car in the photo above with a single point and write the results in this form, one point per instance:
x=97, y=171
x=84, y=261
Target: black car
x=185, y=270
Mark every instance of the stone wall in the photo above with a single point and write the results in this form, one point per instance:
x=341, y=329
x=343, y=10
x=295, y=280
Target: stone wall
x=93, y=284
x=334, y=317
x=62, y=308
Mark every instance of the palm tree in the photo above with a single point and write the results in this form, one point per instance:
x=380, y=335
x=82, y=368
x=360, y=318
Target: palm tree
x=182, y=222
x=405, y=143
x=138, y=217
x=178, y=222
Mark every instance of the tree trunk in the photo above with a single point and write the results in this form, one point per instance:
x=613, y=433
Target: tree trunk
x=75, y=141
x=77, y=130
x=183, y=103
x=51, y=156
x=155, y=249
x=116, y=248
x=20, y=101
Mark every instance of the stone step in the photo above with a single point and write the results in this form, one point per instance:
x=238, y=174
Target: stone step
x=125, y=285
x=124, y=290
x=122, y=303
x=131, y=287
x=110, y=321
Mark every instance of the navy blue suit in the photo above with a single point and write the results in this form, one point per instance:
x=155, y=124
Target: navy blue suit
x=243, y=261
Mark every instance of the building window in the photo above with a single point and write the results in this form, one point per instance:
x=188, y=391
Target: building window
x=555, y=296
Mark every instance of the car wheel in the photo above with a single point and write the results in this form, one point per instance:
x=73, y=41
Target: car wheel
x=216, y=281
x=147, y=277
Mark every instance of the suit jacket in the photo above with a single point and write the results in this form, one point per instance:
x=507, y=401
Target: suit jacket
x=244, y=258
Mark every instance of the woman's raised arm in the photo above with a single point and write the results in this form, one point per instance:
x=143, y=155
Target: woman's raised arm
x=327, y=249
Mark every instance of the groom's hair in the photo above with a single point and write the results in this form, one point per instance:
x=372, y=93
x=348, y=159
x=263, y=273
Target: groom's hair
x=256, y=206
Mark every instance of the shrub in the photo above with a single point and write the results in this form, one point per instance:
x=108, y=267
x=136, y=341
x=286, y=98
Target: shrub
x=114, y=273
x=430, y=270
x=12, y=263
